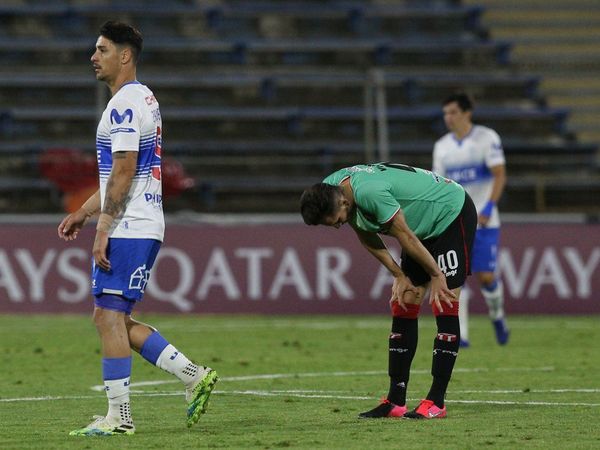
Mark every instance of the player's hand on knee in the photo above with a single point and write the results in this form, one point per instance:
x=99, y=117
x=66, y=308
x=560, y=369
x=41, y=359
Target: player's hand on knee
x=440, y=293
x=403, y=291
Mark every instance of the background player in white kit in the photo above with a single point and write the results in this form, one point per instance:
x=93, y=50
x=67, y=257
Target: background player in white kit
x=129, y=233
x=473, y=156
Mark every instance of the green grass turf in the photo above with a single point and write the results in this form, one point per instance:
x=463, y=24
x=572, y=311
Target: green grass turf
x=540, y=391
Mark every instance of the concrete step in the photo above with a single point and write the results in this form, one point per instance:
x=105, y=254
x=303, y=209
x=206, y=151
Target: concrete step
x=556, y=49
x=537, y=17
x=541, y=5
x=585, y=119
x=589, y=103
x=547, y=58
x=589, y=136
x=588, y=84
x=547, y=35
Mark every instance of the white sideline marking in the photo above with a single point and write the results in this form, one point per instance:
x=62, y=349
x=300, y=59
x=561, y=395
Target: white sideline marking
x=329, y=394
x=530, y=391
x=353, y=397
x=273, y=376
x=297, y=395
x=46, y=398
x=301, y=395
x=512, y=402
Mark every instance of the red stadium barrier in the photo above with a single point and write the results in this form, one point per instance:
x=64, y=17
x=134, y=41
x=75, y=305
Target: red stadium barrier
x=289, y=269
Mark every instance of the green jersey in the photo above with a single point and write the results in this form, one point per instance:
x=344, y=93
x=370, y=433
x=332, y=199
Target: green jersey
x=429, y=201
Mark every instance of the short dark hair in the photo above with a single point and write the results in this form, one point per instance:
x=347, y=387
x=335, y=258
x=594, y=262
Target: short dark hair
x=465, y=103
x=123, y=34
x=318, y=202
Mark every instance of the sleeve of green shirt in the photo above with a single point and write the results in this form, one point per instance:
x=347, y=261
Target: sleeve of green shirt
x=376, y=200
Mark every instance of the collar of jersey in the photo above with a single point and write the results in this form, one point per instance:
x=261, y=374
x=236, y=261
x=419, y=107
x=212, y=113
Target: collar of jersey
x=460, y=141
x=129, y=82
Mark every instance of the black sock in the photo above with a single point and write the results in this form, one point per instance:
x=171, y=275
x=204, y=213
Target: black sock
x=445, y=350
x=402, y=348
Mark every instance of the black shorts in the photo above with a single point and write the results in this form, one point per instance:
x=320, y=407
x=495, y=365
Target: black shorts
x=451, y=250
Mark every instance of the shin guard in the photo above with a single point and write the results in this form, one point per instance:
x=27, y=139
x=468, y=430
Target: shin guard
x=402, y=347
x=445, y=351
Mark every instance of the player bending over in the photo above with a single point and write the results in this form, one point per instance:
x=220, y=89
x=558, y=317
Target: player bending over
x=434, y=221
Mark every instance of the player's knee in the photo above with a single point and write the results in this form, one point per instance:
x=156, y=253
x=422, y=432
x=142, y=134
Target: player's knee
x=101, y=319
x=106, y=320
x=446, y=309
x=411, y=311
x=129, y=322
x=413, y=296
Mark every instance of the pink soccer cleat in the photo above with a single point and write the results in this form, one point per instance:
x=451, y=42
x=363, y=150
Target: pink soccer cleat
x=426, y=410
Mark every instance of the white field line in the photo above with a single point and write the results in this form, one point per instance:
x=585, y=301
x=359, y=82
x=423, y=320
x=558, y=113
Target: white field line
x=320, y=394
x=273, y=376
x=301, y=395
x=528, y=403
x=530, y=391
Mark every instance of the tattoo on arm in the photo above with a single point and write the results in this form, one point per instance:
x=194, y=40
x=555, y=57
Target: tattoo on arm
x=113, y=206
x=117, y=188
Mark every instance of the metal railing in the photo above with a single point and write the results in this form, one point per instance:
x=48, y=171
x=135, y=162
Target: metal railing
x=377, y=143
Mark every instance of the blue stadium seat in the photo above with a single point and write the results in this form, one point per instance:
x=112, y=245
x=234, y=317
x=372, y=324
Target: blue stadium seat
x=250, y=88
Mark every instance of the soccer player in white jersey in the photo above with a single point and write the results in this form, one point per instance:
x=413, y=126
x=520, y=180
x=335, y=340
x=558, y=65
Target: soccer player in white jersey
x=473, y=156
x=128, y=234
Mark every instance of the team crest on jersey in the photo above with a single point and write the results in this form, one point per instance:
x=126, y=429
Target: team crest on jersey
x=117, y=118
x=139, y=278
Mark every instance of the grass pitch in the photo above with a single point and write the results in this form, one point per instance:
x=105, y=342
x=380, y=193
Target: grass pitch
x=300, y=382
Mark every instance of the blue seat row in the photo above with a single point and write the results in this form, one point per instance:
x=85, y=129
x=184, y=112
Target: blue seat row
x=345, y=122
x=277, y=89
x=233, y=18
x=286, y=52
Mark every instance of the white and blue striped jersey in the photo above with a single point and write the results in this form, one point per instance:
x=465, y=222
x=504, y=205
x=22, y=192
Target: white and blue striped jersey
x=468, y=162
x=132, y=122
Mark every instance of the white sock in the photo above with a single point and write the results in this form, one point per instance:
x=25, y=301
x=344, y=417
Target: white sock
x=495, y=301
x=463, y=313
x=117, y=392
x=176, y=363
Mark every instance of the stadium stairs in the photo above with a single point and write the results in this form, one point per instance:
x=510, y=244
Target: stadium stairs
x=560, y=41
x=262, y=98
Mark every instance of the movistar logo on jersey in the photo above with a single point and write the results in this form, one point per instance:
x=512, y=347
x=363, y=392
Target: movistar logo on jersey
x=115, y=117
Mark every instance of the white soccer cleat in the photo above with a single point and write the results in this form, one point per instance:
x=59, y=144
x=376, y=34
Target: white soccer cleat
x=104, y=426
x=198, y=393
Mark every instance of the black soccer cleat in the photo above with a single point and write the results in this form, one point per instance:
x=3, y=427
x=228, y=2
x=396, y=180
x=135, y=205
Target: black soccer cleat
x=384, y=409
